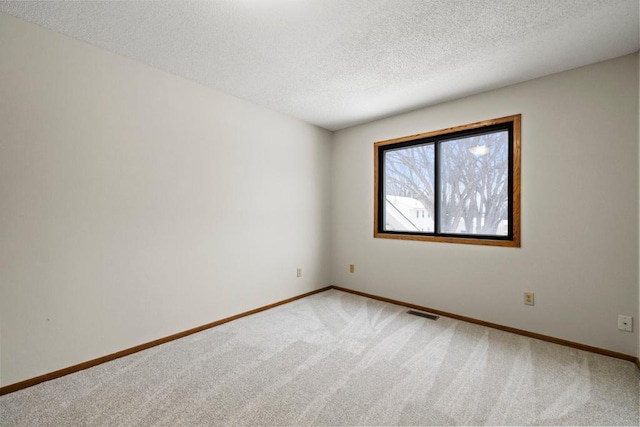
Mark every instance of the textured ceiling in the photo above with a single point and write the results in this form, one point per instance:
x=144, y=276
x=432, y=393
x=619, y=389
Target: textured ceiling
x=336, y=63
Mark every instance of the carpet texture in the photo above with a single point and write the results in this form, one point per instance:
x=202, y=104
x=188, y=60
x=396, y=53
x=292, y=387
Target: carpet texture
x=339, y=359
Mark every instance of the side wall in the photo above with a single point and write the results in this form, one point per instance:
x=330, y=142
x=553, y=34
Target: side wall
x=579, y=212
x=136, y=204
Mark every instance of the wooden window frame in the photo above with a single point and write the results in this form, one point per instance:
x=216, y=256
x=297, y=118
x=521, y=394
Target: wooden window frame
x=512, y=240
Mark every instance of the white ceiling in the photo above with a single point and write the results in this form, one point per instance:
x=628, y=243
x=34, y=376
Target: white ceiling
x=337, y=63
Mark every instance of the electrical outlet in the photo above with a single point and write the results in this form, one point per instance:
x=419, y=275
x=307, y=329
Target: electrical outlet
x=528, y=298
x=299, y=272
x=625, y=323
x=352, y=268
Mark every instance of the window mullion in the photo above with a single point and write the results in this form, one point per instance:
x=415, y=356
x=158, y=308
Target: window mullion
x=436, y=187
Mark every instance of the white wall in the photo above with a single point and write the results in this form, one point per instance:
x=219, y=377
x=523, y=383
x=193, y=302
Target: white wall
x=579, y=212
x=136, y=204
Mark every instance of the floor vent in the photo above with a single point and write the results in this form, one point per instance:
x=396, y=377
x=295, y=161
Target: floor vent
x=423, y=314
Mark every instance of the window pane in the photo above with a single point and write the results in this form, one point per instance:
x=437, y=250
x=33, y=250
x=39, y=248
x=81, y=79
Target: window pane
x=474, y=185
x=408, y=188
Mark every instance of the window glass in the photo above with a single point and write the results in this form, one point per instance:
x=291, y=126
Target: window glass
x=474, y=185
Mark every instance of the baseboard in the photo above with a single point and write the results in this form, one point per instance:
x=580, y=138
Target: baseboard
x=522, y=332
x=85, y=365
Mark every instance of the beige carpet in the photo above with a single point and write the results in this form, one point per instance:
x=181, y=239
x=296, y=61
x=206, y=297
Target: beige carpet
x=339, y=359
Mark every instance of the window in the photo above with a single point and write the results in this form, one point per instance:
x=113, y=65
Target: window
x=464, y=180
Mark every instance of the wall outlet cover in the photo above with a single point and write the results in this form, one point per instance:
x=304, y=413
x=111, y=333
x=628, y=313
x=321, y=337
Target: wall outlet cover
x=625, y=323
x=529, y=298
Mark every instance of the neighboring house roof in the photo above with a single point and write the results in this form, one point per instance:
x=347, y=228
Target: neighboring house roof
x=400, y=214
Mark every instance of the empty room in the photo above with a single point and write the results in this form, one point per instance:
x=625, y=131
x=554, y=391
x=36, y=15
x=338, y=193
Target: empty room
x=319, y=212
